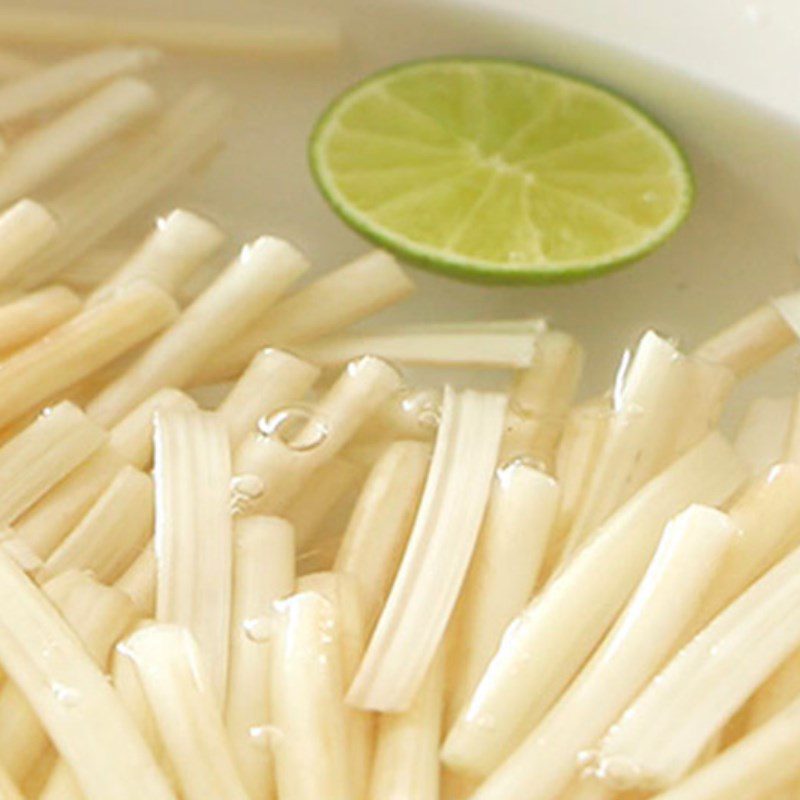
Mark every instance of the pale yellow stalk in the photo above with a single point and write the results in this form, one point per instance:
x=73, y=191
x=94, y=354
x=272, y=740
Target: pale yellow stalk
x=139, y=581
x=503, y=572
x=193, y=533
x=361, y=288
x=113, y=532
x=407, y=745
x=148, y=162
x=639, y=440
x=44, y=657
x=80, y=346
x=47, y=522
x=317, y=510
x=9, y=789
x=782, y=689
x=49, y=148
x=132, y=436
x=541, y=397
x=185, y=707
x=180, y=243
x=750, y=342
x=502, y=349
x=263, y=573
x=277, y=463
x=666, y=728
x=762, y=434
x=64, y=81
x=650, y=627
x=767, y=516
x=35, y=460
x=306, y=686
x=573, y=612
x=187, y=34
x=272, y=380
x=25, y=230
x=381, y=523
x=33, y=315
x=253, y=281
x=13, y=65
x=413, y=621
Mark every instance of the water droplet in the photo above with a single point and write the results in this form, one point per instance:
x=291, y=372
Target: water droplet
x=507, y=469
x=264, y=736
x=587, y=758
x=357, y=365
x=258, y=629
x=161, y=223
x=46, y=411
x=246, y=491
x=298, y=427
x=619, y=772
x=65, y=695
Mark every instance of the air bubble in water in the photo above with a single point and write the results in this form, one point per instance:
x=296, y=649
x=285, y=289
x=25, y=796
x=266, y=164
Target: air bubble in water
x=246, y=490
x=298, y=427
x=66, y=695
x=258, y=629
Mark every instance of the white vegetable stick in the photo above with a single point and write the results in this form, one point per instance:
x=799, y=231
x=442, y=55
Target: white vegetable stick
x=148, y=162
x=43, y=656
x=342, y=592
x=494, y=350
x=263, y=573
x=651, y=626
x=13, y=65
x=139, y=581
x=184, y=704
x=707, y=388
x=273, y=379
x=67, y=80
x=749, y=342
x=47, y=522
x=639, y=439
x=503, y=573
x=33, y=315
x=41, y=455
x=187, y=34
x=407, y=745
x=541, y=397
x=782, y=689
x=582, y=440
x=664, y=731
x=315, y=511
x=276, y=467
x=753, y=767
x=180, y=243
x=761, y=437
x=132, y=436
x=252, y=282
x=767, y=515
x=193, y=536
x=87, y=342
x=25, y=230
x=8, y=789
x=431, y=574
x=543, y=649
x=791, y=450
x=310, y=747
x=113, y=532
x=361, y=288
x=381, y=523
x=47, y=150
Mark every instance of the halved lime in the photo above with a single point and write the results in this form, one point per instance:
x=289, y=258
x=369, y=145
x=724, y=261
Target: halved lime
x=499, y=170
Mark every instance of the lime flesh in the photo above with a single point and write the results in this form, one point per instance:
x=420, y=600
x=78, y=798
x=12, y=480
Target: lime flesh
x=501, y=171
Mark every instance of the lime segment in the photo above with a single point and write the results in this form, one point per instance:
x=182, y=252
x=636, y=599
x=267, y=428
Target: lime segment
x=498, y=170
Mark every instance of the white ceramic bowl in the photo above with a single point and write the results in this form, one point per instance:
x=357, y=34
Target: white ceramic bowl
x=738, y=247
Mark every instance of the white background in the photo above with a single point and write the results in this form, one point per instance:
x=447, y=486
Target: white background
x=749, y=46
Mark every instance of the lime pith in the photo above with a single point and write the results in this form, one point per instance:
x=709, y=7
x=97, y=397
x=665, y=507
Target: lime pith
x=498, y=170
